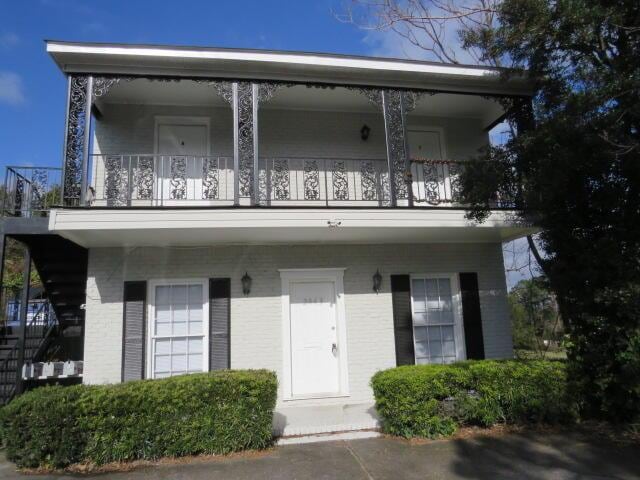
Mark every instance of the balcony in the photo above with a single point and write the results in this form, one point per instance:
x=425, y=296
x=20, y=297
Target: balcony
x=166, y=161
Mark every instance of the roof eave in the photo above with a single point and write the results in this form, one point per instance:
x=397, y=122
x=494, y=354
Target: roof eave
x=285, y=66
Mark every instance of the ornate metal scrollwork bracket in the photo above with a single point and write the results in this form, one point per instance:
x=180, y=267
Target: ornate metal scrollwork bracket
x=223, y=88
x=102, y=85
x=374, y=95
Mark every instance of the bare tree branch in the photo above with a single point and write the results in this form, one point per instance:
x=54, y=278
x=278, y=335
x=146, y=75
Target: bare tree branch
x=431, y=25
x=536, y=253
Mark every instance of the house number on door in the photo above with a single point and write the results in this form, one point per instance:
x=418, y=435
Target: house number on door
x=314, y=300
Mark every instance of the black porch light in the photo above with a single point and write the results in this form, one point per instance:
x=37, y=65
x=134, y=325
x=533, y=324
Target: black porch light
x=364, y=132
x=377, y=281
x=246, y=284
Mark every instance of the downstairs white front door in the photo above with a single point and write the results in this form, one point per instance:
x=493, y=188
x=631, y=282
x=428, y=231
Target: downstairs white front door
x=315, y=366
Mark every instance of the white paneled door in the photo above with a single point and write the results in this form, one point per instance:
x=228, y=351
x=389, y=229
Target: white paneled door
x=315, y=368
x=183, y=149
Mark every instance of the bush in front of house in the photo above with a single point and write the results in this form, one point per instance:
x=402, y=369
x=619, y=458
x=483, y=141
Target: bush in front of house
x=41, y=427
x=433, y=400
x=209, y=413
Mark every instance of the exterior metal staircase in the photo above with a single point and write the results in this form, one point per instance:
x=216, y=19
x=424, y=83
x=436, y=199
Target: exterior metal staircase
x=39, y=330
x=57, y=330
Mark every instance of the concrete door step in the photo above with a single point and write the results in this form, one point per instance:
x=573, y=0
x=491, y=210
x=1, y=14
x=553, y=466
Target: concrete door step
x=328, y=437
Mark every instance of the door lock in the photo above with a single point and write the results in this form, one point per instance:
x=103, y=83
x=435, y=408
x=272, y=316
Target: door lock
x=334, y=348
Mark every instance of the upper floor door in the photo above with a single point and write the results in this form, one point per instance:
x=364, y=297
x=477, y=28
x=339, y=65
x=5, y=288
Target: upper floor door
x=429, y=178
x=182, y=150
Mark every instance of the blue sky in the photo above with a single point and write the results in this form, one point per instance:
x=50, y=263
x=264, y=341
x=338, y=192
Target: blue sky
x=32, y=89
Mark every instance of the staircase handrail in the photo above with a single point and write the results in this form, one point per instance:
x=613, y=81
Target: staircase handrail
x=48, y=325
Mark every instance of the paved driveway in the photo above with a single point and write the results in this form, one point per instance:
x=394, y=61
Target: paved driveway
x=516, y=456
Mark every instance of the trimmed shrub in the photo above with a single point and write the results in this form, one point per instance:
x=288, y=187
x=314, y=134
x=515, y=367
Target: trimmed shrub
x=41, y=427
x=433, y=400
x=213, y=413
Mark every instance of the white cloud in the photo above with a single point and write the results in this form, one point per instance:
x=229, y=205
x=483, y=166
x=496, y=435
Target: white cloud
x=8, y=40
x=387, y=43
x=11, y=88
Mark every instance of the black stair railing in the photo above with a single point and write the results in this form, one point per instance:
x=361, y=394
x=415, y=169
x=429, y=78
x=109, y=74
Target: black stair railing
x=30, y=191
x=39, y=330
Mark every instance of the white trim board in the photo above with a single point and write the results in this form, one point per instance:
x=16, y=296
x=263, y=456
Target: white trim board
x=336, y=276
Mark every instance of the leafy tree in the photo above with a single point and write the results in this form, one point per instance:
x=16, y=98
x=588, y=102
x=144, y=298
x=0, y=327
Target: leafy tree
x=573, y=168
x=535, y=317
x=12, y=276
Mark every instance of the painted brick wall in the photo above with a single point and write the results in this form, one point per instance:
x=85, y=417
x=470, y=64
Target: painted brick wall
x=130, y=129
x=256, y=320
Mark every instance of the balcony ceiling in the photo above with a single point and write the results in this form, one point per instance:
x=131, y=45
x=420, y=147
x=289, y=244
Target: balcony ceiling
x=187, y=92
x=193, y=227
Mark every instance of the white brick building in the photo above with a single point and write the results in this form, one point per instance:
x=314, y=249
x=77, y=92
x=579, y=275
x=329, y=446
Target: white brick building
x=294, y=212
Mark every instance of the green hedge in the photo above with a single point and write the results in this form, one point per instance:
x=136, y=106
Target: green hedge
x=433, y=400
x=217, y=413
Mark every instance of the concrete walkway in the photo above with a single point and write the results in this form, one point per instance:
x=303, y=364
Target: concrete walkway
x=515, y=456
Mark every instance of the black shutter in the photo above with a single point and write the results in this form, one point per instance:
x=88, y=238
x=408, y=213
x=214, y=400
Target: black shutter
x=133, y=330
x=219, y=323
x=471, y=316
x=402, y=320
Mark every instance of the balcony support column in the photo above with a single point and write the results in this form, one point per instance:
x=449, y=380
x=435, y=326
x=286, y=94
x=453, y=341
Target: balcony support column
x=86, y=142
x=255, y=103
x=394, y=109
x=77, y=138
x=244, y=140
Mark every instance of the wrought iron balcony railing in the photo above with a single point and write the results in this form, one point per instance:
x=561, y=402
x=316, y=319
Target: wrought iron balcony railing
x=31, y=191
x=170, y=180
x=148, y=180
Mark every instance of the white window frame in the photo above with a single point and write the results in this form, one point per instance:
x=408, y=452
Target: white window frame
x=335, y=275
x=151, y=295
x=456, y=304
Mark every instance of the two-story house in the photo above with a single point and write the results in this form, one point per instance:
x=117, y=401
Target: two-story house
x=298, y=212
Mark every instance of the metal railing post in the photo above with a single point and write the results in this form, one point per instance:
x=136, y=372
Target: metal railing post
x=236, y=146
x=5, y=192
x=84, y=180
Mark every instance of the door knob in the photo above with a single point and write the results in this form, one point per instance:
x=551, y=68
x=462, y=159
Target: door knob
x=334, y=348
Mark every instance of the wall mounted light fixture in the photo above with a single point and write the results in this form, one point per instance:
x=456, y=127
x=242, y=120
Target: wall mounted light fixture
x=377, y=281
x=246, y=284
x=364, y=132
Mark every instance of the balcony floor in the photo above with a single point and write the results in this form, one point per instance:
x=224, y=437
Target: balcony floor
x=92, y=227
